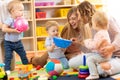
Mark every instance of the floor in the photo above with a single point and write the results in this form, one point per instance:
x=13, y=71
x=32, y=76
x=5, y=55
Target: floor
x=42, y=72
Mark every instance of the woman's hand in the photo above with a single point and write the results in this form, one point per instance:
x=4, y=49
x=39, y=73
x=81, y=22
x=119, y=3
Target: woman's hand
x=107, y=49
x=76, y=41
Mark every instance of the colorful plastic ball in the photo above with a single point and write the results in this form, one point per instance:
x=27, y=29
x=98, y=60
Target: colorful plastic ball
x=54, y=67
x=21, y=24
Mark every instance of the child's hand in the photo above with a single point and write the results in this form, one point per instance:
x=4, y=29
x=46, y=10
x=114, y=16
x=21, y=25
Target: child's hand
x=106, y=54
x=17, y=31
x=63, y=49
x=106, y=49
x=53, y=45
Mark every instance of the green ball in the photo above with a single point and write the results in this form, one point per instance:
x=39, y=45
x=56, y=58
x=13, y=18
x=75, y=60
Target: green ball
x=54, y=77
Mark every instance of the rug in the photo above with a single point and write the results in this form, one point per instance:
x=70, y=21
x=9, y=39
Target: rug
x=76, y=78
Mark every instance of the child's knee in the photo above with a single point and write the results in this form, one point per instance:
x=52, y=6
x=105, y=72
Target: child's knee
x=105, y=66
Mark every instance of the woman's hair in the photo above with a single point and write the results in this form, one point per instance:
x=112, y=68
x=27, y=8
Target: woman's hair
x=68, y=32
x=87, y=10
x=49, y=24
x=73, y=10
x=12, y=4
x=100, y=19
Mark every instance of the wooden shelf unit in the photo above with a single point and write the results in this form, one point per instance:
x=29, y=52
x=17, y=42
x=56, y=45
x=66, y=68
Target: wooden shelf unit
x=30, y=38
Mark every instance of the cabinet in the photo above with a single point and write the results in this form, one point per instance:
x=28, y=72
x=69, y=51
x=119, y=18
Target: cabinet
x=33, y=39
x=47, y=11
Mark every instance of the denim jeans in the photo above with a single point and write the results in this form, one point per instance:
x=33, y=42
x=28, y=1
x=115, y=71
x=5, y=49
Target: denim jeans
x=64, y=62
x=18, y=48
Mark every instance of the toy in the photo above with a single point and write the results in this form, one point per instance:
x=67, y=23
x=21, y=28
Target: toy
x=70, y=74
x=83, y=69
x=3, y=75
x=38, y=67
x=21, y=24
x=54, y=67
x=63, y=43
x=39, y=60
x=27, y=72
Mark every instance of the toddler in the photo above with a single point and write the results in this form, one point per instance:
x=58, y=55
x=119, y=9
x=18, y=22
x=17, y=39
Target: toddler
x=100, y=40
x=12, y=37
x=54, y=51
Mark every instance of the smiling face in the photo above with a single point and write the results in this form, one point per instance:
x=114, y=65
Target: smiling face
x=53, y=31
x=73, y=21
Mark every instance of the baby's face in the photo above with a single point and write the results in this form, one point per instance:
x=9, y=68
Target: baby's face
x=18, y=11
x=53, y=31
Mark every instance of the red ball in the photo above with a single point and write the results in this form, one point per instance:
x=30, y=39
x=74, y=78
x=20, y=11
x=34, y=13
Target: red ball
x=21, y=24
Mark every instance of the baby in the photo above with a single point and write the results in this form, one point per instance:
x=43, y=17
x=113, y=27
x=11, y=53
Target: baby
x=54, y=51
x=100, y=40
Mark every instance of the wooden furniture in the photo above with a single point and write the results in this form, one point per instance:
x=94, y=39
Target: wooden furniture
x=33, y=40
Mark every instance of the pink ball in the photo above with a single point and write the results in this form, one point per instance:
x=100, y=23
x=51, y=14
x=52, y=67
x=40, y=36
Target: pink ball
x=21, y=24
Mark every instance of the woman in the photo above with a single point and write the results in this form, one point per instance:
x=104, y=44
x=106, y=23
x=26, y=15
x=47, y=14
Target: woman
x=71, y=31
x=86, y=10
x=75, y=32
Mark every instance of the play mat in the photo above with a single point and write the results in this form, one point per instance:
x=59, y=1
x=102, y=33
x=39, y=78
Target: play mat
x=41, y=74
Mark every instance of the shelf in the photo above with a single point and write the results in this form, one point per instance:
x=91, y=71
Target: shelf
x=50, y=10
x=56, y=6
x=25, y=2
x=41, y=37
x=59, y=18
x=29, y=20
x=27, y=38
x=30, y=51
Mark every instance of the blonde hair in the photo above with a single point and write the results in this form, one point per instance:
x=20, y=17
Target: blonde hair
x=68, y=32
x=12, y=4
x=100, y=19
x=49, y=24
x=87, y=10
x=73, y=10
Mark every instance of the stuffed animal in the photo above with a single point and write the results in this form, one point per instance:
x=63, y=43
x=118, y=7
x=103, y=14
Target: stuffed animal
x=39, y=61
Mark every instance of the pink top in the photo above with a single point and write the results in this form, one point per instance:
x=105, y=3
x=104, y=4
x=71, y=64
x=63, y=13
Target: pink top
x=98, y=37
